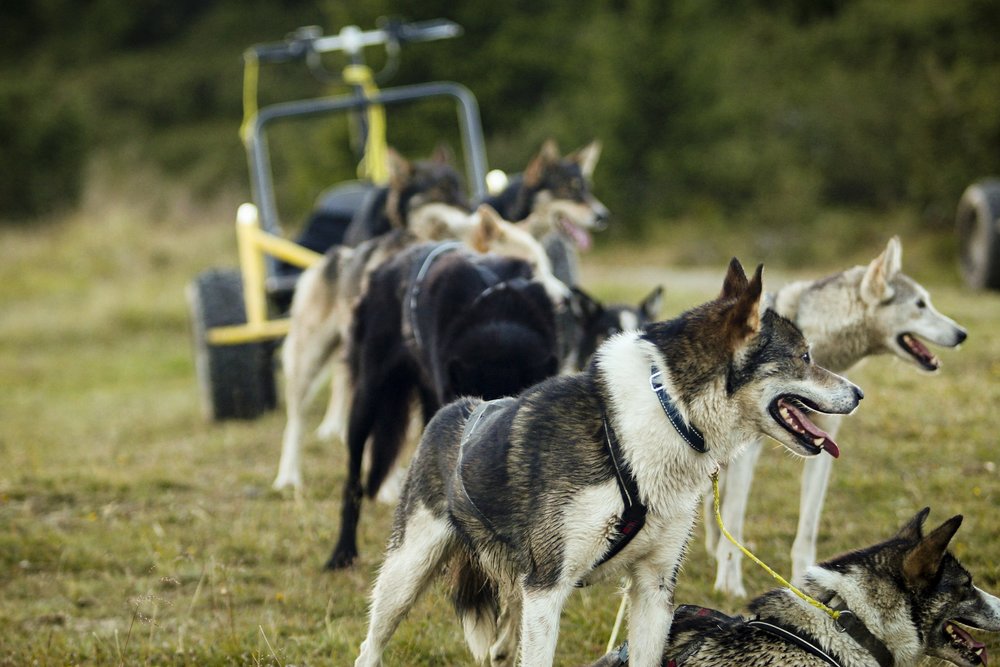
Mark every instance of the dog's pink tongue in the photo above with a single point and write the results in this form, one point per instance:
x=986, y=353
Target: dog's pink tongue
x=579, y=235
x=970, y=642
x=798, y=420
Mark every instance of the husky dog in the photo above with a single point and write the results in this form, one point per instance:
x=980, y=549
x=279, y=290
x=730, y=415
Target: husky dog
x=557, y=188
x=323, y=309
x=907, y=598
x=440, y=323
x=597, y=322
x=411, y=185
x=596, y=475
x=351, y=213
x=846, y=317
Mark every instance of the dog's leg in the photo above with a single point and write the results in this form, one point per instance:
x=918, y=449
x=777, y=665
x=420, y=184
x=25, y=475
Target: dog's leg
x=540, y=623
x=404, y=575
x=391, y=488
x=363, y=416
x=303, y=356
x=815, y=478
x=334, y=424
x=651, y=605
x=729, y=560
x=503, y=653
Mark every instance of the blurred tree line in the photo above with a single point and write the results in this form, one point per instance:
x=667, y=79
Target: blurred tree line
x=752, y=110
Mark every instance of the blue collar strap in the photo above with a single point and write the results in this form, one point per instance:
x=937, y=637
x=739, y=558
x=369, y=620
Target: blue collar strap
x=691, y=435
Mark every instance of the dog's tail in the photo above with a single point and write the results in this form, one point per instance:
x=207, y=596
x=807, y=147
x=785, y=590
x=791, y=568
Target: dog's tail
x=476, y=602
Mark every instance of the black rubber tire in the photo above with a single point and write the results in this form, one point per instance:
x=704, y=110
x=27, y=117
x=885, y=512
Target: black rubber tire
x=978, y=226
x=234, y=381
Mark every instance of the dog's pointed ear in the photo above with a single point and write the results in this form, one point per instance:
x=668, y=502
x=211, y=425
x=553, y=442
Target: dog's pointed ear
x=400, y=169
x=914, y=528
x=488, y=231
x=743, y=319
x=583, y=306
x=735, y=281
x=443, y=154
x=535, y=171
x=922, y=563
x=875, y=286
x=587, y=158
x=649, y=308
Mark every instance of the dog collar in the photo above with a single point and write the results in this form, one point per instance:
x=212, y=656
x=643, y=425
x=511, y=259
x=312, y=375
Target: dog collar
x=859, y=632
x=691, y=435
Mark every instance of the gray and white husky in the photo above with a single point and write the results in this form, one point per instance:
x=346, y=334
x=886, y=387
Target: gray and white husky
x=596, y=474
x=861, y=312
x=900, y=601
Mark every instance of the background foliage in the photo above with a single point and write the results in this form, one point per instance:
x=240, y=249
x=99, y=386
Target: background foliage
x=754, y=112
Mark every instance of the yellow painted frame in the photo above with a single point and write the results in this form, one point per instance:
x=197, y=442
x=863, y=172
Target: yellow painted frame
x=252, y=243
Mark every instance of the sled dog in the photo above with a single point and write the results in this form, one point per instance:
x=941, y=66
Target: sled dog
x=596, y=474
x=847, y=317
x=557, y=189
x=323, y=309
x=899, y=601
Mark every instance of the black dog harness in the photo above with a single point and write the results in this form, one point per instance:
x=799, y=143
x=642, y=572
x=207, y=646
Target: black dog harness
x=493, y=284
x=471, y=424
x=633, y=516
x=848, y=622
x=416, y=283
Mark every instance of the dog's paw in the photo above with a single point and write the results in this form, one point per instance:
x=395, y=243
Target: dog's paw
x=332, y=430
x=729, y=576
x=286, y=480
x=392, y=487
x=341, y=559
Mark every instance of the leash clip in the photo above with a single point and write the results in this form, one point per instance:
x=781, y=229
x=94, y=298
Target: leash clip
x=844, y=618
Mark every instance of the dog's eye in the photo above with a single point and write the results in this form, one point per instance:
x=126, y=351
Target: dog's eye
x=806, y=357
x=921, y=303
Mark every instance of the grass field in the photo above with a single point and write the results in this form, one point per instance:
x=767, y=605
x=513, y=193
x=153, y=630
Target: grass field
x=132, y=532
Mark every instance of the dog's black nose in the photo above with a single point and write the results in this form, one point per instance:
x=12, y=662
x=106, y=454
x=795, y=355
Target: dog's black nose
x=962, y=335
x=858, y=394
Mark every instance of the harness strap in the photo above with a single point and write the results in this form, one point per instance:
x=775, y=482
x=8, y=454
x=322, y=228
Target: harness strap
x=691, y=435
x=471, y=423
x=633, y=516
x=417, y=281
x=800, y=640
x=514, y=283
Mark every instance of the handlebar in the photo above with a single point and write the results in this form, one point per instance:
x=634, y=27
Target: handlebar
x=352, y=40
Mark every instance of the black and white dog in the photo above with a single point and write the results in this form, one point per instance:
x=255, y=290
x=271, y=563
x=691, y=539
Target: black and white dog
x=899, y=601
x=438, y=321
x=596, y=474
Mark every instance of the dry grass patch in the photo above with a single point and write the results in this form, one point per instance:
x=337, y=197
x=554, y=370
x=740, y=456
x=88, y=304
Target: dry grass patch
x=131, y=532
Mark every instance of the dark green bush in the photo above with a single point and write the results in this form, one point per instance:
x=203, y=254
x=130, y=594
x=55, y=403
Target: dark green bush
x=44, y=149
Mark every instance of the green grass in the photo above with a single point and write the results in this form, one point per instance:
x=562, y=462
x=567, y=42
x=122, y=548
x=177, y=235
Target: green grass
x=132, y=532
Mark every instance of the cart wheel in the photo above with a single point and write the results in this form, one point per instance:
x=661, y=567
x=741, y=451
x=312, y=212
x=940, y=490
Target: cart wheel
x=235, y=381
x=979, y=234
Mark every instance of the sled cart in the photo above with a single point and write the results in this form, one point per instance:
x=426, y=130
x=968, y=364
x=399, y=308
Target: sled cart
x=237, y=315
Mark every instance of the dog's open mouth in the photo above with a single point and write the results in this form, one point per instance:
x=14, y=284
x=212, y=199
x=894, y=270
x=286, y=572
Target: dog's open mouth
x=791, y=412
x=574, y=232
x=918, y=351
x=964, y=643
